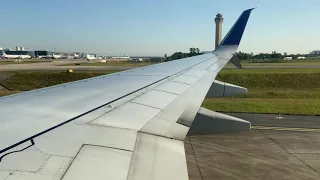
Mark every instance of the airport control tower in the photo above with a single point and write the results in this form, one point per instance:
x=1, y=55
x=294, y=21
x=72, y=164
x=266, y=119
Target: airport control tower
x=219, y=20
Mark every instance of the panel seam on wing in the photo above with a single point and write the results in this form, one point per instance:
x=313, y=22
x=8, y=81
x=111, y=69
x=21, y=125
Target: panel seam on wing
x=180, y=82
x=160, y=90
x=144, y=105
x=133, y=158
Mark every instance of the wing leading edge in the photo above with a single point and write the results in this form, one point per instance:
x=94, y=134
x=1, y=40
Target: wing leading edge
x=136, y=132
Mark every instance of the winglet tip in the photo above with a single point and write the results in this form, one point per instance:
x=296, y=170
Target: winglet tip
x=235, y=34
x=251, y=9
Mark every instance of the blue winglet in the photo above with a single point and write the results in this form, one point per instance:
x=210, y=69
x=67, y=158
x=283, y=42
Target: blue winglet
x=235, y=34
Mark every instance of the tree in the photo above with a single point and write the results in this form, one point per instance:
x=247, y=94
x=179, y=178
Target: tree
x=194, y=51
x=197, y=50
x=251, y=55
x=191, y=50
x=244, y=56
x=178, y=55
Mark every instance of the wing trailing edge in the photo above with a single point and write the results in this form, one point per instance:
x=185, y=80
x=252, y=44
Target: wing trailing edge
x=210, y=122
x=222, y=89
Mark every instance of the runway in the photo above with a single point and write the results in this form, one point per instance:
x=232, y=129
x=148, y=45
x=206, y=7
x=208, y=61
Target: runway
x=273, y=120
x=258, y=154
x=70, y=64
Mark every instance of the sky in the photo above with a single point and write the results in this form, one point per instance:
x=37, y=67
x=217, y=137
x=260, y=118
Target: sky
x=155, y=28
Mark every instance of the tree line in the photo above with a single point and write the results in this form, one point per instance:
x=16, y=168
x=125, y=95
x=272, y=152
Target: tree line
x=179, y=55
x=273, y=56
x=270, y=57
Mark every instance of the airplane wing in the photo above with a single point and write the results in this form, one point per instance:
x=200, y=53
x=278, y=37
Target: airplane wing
x=126, y=125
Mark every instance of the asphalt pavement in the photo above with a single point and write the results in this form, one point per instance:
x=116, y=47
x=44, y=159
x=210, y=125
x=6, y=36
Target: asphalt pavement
x=274, y=120
x=265, y=154
x=275, y=67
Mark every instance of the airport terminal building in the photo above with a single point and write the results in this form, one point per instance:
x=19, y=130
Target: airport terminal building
x=315, y=52
x=43, y=54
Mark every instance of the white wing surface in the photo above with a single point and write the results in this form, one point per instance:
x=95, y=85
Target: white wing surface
x=127, y=125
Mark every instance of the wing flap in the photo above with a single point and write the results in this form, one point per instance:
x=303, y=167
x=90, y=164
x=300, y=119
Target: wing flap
x=99, y=163
x=222, y=89
x=210, y=122
x=158, y=158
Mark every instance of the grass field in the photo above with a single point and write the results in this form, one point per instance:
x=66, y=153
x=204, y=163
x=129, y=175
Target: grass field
x=303, y=106
x=288, y=91
x=2, y=62
x=269, y=79
x=25, y=81
x=285, y=91
x=305, y=62
x=268, y=71
x=125, y=64
x=6, y=93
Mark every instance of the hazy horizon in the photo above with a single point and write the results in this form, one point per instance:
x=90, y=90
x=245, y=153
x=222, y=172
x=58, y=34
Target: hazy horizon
x=144, y=28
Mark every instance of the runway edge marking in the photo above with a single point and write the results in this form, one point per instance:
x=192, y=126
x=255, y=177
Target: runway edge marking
x=284, y=129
